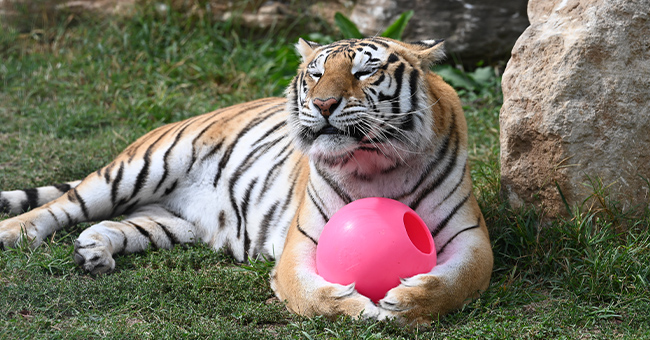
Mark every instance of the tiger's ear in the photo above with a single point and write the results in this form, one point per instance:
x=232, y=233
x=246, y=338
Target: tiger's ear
x=306, y=48
x=429, y=51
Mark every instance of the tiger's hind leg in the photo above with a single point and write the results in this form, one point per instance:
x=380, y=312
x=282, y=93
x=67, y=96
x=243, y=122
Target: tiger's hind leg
x=38, y=224
x=20, y=201
x=149, y=226
x=143, y=174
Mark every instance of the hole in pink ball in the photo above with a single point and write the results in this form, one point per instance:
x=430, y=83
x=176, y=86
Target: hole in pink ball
x=417, y=232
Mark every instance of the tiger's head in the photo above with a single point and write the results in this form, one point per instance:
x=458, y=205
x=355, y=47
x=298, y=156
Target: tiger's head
x=363, y=106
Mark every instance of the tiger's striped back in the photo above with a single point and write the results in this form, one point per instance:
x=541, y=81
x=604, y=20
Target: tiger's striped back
x=205, y=169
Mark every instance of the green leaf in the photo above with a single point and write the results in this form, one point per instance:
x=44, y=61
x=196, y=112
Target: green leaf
x=319, y=38
x=484, y=75
x=566, y=204
x=395, y=30
x=347, y=27
x=456, y=77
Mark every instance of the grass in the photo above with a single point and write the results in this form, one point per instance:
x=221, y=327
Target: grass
x=75, y=93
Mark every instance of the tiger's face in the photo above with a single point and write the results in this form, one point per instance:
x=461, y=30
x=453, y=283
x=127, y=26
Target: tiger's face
x=362, y=106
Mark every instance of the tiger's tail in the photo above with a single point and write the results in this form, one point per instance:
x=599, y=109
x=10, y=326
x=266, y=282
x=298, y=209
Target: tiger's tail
x=19, y=201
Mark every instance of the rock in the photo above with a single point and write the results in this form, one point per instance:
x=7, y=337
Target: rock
x=473, y=30
x=266, y=16
x=577, y=104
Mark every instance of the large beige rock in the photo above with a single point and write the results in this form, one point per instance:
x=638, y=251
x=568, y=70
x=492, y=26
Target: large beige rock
x=577, y=104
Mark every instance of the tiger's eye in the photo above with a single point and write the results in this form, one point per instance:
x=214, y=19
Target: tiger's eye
x=364, y=73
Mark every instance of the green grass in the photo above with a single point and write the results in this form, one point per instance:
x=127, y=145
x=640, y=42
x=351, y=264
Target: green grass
x=74, y=94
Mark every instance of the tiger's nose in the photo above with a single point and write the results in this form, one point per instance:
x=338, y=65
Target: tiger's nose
x=327, y=106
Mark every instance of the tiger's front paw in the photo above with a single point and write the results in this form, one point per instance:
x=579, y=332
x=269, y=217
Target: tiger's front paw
x=337, y=299
x=93, y=254
x=13, y=231
x=419, y=299
x=318, y=297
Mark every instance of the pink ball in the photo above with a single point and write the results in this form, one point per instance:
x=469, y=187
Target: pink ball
x=374, y=242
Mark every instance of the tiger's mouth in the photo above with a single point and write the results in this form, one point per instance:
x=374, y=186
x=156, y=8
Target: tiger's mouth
x=329, y=130
x=334, y=131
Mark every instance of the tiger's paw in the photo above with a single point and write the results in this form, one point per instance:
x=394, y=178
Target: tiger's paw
x=417, y=300
x=337, y=299
x=14, y=231
x=93, y=254
x=328, y=299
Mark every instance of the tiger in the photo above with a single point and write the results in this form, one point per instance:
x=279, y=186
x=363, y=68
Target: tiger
x=361, y=118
